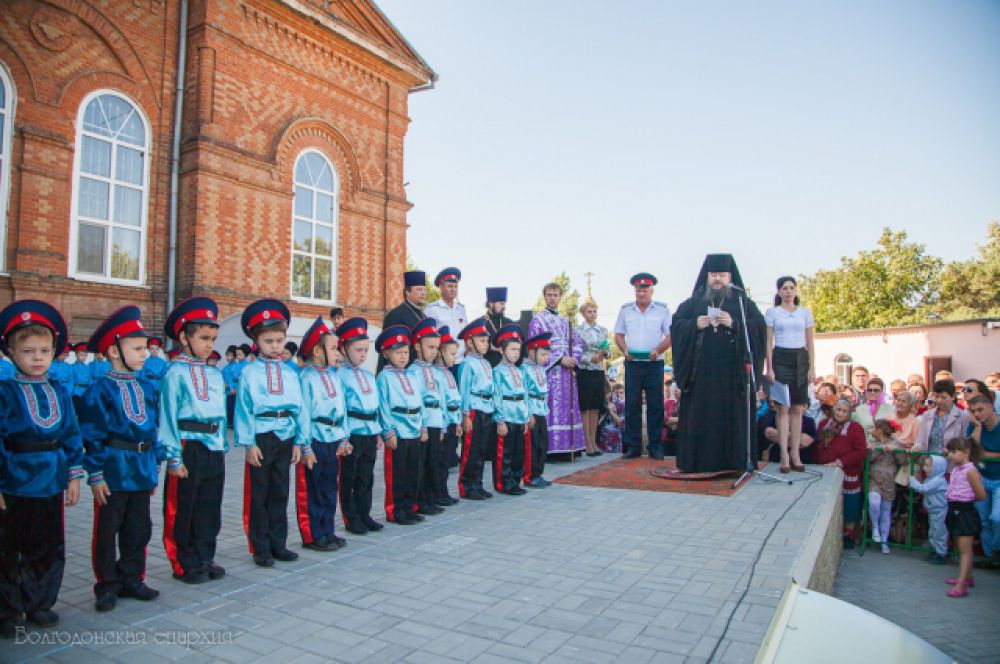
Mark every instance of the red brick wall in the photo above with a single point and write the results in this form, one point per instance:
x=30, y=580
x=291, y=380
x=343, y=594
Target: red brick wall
x=262, y=84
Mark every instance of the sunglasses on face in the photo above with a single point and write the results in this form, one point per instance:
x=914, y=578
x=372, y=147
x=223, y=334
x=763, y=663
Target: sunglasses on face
x=874, y=390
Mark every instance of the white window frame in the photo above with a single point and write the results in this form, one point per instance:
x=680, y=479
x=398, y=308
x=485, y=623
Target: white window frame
x=110, y=224
x=335, y=258
x=6, y=149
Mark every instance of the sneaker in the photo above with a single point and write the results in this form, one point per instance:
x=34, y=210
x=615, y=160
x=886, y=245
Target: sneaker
x=876, y=537
x=885, y=548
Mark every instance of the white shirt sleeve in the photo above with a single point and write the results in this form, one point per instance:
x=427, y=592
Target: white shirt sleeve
x=769, y=317
x=620, y=323
x=667, y=319
x=808, y=316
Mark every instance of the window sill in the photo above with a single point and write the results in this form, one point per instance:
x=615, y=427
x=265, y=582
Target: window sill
x=318, y=303
x=108, y=282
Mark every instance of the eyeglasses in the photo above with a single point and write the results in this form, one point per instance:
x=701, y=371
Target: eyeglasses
x=875, y=390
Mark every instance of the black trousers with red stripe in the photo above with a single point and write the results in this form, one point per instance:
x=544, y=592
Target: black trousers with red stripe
x=449, y=442
x=537, y=449
x=316, y=494
x=402, y=477
x=430, y=466
x=32, y=553
x=265, y=495
x=508, y=464
x=192, y=508
x=479, y=441
x=122, y=524
x=357, y=477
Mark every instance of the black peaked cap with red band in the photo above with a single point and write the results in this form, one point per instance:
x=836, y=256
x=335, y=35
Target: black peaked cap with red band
x=264, y=312
x=643, y=279
x=313, y=336
x=126, y=322
x=425, y=328
x=539, y=341
x=352, y=329
x=509, y=332
x=81, y=346
x=448, y=274
x=393, y=336
x=446, y=337
x=199, y=309
x=32, y=312
x=476, y=328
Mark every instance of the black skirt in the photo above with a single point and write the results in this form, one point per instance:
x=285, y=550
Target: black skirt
x=963, y=520
x=590, y=387
x=791, y=367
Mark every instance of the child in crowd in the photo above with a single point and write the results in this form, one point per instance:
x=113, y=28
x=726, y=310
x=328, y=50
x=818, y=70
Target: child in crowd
x=155, y=366
x=614, y=425
x=933, y=489
x=357, y=469
x=213, y=359
x=475, y=383
x=964, y=525
x=81, y=372
x=61, y=372
x=510, y=413
x=427, y=344
x=192, y=430
x=324, y=410
x=41, y=463
x=401, y=416
x=882, y=480
x=452, y=414
x=7, y=370
x=118, y=425
x=536, y=440
x=270, y=425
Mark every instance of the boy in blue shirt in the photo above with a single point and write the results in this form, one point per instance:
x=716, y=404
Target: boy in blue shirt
x=118, y=426
x=41, y=459
x=99, y=368
x=510, y=412
x=324, y=409
x=61, y=372
x=7, y=370
x=475, y=384
x=357, y=469
x=270, y=425
x=192, y=431
x=401, y=416
x=536, y=440
x=452, y=415
x=80, y=371
x=423, y=374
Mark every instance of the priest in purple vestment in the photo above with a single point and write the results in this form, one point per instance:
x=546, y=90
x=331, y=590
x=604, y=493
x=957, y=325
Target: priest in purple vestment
x=565, y=424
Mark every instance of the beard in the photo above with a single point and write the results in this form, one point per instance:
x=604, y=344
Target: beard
x=709, y=294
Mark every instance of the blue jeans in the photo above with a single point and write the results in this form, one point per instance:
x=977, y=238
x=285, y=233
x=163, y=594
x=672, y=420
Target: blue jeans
x=989, y=514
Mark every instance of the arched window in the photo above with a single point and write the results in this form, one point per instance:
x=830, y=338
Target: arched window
x=111, y=190
x=6, y=132
x=314, y=229
x=843, y=367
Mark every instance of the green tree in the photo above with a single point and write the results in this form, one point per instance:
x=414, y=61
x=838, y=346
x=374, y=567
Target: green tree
x=569, y=306
x=433, y=292
x=971, y=289
x=897, y=283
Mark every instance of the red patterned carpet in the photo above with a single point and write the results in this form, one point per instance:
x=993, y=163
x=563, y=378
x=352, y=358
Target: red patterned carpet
x=641, y=475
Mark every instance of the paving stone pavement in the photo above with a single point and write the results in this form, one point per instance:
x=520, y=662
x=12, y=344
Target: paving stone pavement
x=563, y=574
x=901, y=587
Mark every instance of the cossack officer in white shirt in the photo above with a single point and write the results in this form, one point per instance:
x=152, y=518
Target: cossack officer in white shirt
x=448, y=310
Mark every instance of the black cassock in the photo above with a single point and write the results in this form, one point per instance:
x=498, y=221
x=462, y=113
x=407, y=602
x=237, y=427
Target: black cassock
x=709, y=368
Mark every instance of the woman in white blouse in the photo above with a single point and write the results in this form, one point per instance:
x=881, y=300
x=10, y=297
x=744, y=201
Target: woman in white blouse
x=590, y=378
x=789, y=361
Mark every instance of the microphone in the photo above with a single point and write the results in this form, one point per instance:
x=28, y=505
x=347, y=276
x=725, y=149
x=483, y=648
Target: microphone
x=737, y=288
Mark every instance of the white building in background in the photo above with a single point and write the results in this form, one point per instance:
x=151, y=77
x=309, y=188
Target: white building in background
x=969, y=349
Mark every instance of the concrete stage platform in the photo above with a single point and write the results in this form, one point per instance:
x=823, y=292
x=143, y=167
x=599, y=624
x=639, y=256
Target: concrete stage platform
x=563, y=574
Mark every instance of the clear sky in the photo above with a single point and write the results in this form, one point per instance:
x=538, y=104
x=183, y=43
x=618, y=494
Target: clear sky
x=617, y=137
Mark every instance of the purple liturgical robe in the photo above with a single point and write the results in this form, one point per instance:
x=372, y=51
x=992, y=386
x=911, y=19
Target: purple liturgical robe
x=565, y=425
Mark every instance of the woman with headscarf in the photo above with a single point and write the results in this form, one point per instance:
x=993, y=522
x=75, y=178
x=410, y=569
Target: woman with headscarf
x=875, y=407
x=842, y=444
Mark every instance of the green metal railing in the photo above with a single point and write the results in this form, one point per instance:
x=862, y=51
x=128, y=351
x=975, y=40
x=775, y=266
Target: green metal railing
x=911, y=457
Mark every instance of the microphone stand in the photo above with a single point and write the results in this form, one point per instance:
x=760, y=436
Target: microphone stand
x=750, y=387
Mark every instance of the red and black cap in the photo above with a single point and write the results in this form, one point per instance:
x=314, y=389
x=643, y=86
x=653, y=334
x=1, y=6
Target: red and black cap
x=173, y=353
x=81, y=347
x=448, y=274
x=538, y=341
x=199, y=309
x=32, y=312
x=264, y=312
x=352, y=329
x=425, y=328
x=313, y=336
x=643, y=280
x=126, y=322
x=214, y=355
x=155, y=341
x=508, y=332
x=476, y=328
x=393, y=336
x=446, y=337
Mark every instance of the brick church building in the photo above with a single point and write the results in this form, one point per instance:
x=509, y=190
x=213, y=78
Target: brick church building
x=285, y=178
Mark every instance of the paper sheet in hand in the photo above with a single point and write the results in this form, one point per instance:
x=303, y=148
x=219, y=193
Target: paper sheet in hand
x=780, y=395
x=713, y=314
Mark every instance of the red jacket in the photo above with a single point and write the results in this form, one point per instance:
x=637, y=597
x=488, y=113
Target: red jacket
x=849, y=446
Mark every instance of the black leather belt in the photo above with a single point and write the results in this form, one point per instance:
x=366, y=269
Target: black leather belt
x=130, y=445
x=452, y=409
x=482, y=395
x=275, y=414
x=538, y=398
x=329, y=421
x=513, y=397
x=198, y=426
x=432, y=405
x=368, y=417
x=406, y=411
x=24, y=445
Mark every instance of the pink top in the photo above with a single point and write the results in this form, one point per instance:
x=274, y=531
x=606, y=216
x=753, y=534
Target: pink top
x=959, y=490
